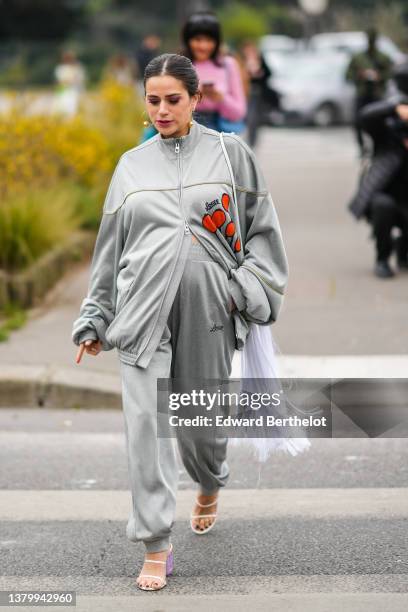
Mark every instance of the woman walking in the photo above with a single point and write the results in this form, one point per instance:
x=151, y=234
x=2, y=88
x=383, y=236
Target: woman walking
x=166, y=291
x=261, y=97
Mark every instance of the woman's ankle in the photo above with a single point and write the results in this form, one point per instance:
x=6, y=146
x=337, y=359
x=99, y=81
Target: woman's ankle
x=207, y=493
x=158, y=546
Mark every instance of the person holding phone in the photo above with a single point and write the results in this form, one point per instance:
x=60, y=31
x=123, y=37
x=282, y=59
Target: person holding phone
x=223, y=106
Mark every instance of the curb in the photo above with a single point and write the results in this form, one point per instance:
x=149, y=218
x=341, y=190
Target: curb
x=50, y=386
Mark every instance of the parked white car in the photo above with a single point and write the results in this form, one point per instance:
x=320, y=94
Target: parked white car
x=275, y=43
x=312, y=87
x=354, y=42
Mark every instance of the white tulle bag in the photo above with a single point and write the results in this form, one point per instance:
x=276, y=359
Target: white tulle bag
x=258, y=361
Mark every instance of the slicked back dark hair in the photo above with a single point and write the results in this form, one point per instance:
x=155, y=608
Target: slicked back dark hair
x=178, y=66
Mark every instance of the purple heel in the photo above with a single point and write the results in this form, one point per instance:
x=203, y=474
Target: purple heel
x=170, y=562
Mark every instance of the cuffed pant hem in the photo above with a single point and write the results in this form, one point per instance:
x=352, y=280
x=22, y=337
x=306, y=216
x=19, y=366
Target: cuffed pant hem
x=158, y=545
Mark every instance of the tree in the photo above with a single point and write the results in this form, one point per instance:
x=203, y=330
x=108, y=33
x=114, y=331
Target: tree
x=240, y=21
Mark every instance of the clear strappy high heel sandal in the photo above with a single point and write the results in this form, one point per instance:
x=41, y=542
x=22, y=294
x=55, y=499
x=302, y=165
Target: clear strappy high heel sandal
x=200, y=516
x=169, y=570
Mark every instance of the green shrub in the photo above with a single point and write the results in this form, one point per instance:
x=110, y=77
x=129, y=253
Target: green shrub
x=35, y=221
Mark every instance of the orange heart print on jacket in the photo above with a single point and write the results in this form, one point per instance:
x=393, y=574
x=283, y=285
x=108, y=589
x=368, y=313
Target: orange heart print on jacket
x=220, y=219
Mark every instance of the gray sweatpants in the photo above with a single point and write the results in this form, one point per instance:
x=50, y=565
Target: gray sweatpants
x=198, y=342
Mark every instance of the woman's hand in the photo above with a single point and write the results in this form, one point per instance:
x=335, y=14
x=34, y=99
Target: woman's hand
x=209, y=91
x=92, y=347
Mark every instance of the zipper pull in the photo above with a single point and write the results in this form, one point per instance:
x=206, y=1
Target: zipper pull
x=177, y=147
x=186, y=228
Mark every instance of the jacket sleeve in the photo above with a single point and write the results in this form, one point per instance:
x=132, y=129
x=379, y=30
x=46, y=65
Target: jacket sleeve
x=372, y=118
x=376, y=111
x=98, y=308
x=258, y=284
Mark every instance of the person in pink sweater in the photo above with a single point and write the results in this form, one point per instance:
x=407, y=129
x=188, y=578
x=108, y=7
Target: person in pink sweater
x=219, y=74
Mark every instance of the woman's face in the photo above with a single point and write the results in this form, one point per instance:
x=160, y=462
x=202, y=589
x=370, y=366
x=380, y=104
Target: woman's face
x=202, y=47
x=169, y=105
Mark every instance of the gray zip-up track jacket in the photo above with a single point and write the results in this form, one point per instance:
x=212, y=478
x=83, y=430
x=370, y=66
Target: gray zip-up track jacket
x=162, y=191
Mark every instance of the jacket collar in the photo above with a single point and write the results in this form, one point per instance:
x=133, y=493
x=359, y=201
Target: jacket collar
x=187, y=143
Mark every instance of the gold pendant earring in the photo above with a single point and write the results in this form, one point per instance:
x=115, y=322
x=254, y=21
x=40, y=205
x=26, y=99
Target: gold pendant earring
x=146, y=122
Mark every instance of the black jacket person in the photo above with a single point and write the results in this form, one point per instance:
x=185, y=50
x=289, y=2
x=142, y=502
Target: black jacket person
x=382, y=196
